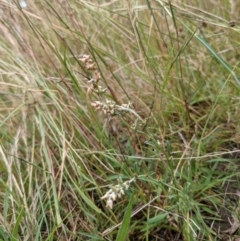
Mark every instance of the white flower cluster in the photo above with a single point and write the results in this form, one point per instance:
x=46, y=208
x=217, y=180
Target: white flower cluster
x=110, y=107
x=116, y=192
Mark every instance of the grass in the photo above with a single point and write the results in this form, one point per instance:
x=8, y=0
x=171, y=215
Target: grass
x=119, y=120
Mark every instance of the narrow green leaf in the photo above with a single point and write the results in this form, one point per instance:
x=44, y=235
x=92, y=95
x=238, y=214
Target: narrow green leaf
x=122, y=233
x=158, y=218
x=218, y=57
x=3, y=235
x=15, y=229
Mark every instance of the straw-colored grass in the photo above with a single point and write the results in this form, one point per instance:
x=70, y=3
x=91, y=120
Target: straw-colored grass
x=119, y=120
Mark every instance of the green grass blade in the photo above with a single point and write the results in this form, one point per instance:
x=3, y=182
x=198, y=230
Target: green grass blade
x=218, y=58
x=16, y=226
x=123, y=231
x=3, y=235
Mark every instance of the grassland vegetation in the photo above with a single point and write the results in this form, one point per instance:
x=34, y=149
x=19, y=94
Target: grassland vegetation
x=119, y=120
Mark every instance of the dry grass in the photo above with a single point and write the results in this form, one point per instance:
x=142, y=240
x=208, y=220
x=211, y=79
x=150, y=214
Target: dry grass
x=62, y=150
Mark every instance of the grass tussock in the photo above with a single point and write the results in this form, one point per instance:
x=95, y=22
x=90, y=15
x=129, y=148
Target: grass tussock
x=119, y=120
